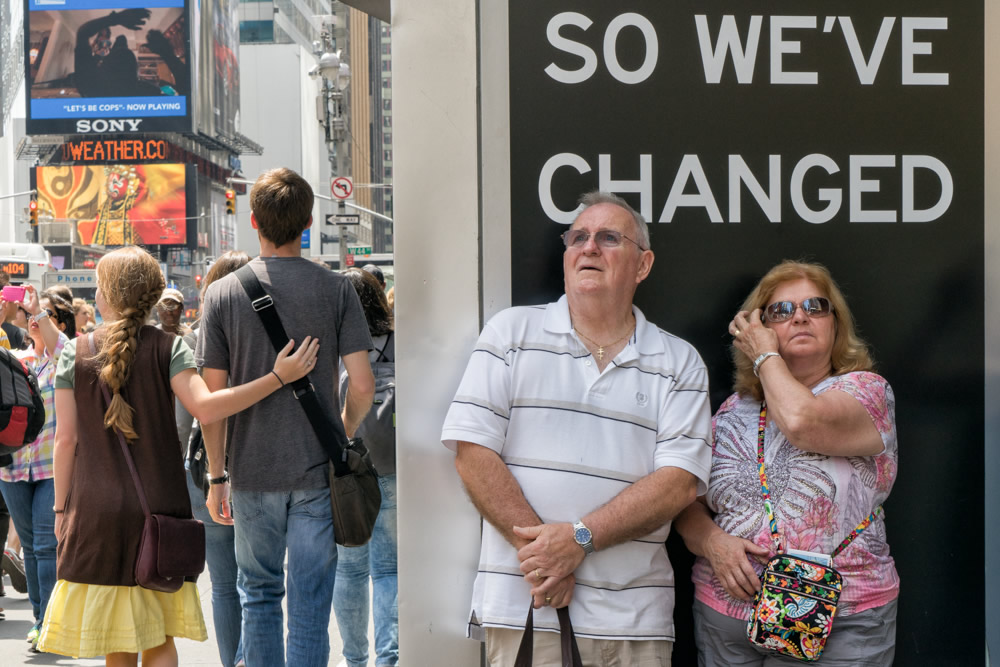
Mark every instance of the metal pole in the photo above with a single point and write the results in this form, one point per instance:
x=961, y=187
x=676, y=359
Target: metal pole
x=18, y=194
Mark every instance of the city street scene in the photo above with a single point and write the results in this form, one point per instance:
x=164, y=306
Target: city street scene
x=695, y=303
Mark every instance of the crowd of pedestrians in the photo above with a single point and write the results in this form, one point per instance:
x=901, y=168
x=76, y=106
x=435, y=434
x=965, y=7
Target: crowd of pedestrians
x=215, y=385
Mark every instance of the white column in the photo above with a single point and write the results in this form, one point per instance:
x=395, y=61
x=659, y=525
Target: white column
x=437, y=231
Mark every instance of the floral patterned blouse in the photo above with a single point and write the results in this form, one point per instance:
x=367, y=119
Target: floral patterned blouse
x=818, y=499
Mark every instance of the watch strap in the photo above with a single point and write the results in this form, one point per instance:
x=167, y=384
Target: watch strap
x=219, y=480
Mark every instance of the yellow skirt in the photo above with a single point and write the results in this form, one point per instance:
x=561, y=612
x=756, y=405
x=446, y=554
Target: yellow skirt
x=86, y=621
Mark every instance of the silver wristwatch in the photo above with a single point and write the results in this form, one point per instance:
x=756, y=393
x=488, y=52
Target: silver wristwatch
x=40, y=316
x=583, y=537
x=761, y=359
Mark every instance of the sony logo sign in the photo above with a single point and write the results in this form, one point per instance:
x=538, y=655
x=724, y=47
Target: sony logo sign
x=101, y=125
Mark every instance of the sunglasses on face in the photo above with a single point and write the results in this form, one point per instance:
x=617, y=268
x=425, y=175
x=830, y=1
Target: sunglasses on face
x=168, y=306
x=606, y=238
x=781, y=311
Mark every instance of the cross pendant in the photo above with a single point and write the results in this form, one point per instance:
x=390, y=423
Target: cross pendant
x=600, y=354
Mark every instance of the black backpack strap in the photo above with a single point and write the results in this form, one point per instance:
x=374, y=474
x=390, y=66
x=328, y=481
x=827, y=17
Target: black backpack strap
x=302, y=389
x=381, y=353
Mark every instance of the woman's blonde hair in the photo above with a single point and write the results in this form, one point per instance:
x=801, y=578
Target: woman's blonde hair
x=850, y=352
x=131, y=283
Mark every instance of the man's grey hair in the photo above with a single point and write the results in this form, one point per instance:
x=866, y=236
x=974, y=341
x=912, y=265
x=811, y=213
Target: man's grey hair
x=595, y=197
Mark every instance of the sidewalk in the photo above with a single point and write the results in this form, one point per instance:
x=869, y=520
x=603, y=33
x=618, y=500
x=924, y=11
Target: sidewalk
x=14, y=649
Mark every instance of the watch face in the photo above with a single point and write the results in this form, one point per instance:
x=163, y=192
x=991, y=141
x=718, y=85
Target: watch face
x=582, y=535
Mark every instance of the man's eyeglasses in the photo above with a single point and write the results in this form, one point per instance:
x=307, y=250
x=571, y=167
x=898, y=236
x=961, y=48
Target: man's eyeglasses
x=781, y=311
x=606, y=238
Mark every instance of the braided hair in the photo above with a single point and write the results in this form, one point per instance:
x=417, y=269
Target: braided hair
x=131, y=283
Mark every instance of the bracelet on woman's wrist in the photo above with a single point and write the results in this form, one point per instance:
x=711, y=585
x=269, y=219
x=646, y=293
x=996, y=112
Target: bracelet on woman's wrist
x=279, y=377
x=760, y=360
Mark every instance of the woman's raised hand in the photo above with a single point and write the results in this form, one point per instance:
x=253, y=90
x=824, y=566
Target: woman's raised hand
x=730, y=558
x=30, y=301
x=750, y=336
x=291, y=366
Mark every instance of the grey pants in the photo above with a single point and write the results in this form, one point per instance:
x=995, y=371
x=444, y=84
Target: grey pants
x=865, y=639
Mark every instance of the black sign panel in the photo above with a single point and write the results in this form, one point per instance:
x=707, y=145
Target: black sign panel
x=845, y=133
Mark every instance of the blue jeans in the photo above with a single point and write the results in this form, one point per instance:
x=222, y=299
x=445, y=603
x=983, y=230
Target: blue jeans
x=220, y=555
x=350, y=593
x=268, y=523
x=30, y=505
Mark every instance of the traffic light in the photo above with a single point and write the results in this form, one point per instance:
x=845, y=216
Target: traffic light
x=33, y=211
x=230, y=202
x=197, y=281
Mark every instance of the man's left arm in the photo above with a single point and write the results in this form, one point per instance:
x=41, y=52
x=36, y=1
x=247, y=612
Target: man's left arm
x=360, y=390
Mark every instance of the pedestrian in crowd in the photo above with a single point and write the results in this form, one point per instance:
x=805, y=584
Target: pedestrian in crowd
x=16, y=335
x=170, y=310
x=26, y=484
x=375, y=271
x=581, y=430
x=61, y=291
x=84, y=313
x=11, y=562
x=374, y=562
x=220, y=550
x=280, y=487
x=96, y=607
x=828, y=432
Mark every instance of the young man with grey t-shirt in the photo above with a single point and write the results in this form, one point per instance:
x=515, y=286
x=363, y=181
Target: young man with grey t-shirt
x=280, y=489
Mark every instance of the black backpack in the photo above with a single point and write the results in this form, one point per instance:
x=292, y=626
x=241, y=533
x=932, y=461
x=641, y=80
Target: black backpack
x=22, y=412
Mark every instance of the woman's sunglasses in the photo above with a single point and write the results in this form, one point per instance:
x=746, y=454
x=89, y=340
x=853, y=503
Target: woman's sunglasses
x=781, y=311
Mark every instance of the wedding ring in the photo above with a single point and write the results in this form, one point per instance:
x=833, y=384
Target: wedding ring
x=737, y=333
x=548, y=599
x=538, y=574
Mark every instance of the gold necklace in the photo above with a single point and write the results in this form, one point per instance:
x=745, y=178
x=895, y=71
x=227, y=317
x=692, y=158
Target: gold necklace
x=600, y=348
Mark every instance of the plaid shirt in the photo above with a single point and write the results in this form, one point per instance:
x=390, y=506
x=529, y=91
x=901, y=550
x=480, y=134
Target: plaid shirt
x=34, y=462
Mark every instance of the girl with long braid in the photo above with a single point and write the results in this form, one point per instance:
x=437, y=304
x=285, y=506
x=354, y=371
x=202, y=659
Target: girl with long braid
x=96, y=608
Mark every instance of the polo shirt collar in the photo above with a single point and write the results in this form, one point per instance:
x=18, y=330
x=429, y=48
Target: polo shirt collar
x=647, y=338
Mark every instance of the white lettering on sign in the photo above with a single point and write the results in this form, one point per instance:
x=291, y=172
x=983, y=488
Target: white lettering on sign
x=690, y=187
x=101, y=125
x=610, y=50
x=729, y=47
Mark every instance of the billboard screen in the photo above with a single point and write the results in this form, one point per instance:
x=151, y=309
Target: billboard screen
x=107, y=66
x=117, y=204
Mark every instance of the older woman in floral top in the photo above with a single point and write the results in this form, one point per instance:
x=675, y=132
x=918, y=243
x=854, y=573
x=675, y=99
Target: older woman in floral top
x=27, y=484
x=830, y=456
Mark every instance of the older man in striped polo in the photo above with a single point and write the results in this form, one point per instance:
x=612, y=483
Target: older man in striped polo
x=581, y=430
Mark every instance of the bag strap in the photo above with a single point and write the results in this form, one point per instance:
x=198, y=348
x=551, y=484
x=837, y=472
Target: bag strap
x=381, y=353
x=775, y=535
x=302, y=389
x=121, y=437
x=567, y=640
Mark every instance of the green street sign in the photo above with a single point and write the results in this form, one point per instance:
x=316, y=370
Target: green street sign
x=359, y=250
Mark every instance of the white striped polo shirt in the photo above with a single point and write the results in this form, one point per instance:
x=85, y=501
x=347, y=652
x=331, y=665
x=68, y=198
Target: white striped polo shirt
x=575, y=438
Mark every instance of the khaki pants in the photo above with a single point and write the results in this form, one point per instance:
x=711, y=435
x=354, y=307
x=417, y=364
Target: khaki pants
x=502, y=645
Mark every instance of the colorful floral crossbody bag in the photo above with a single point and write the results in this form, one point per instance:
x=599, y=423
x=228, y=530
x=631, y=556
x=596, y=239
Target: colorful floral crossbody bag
x=794, y=609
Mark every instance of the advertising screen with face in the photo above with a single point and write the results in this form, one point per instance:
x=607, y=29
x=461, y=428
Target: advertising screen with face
x=115, y=204
x=107, y=66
